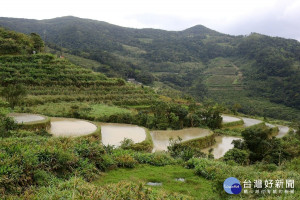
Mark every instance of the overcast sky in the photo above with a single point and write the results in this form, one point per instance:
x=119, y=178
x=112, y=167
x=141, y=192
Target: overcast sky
x=270, y=17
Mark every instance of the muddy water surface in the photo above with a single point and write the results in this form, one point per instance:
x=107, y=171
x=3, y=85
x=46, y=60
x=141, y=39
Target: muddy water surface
x=113, y=134
x=283, y=130
x=25, y=117
x=250, y=122
x=71, y=127
x=222, y=145
x=161, y=138
x=227, y=119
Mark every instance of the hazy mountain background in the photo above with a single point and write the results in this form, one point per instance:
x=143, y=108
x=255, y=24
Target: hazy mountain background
x=254, y=74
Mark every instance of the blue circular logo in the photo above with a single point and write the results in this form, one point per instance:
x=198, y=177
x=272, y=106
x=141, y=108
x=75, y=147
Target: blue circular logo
x=232, y=186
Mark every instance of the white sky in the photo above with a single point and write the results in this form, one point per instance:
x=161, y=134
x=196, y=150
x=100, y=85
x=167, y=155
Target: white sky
x=271, y=17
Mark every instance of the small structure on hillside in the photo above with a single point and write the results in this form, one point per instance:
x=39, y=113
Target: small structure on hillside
x=132, y=80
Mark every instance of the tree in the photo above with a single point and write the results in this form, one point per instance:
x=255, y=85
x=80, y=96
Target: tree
x=38, y=43
x=212, y=117
x=236, y=107
x=179, y=111
x=14, y=94
x=262, y=146
x=237, y=155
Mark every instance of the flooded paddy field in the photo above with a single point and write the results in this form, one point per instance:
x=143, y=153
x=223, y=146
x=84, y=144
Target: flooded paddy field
x=161, y=138
x=26, y=117
x=222, y=145
x=71, y=127
x=227, y=119
x=114, y=134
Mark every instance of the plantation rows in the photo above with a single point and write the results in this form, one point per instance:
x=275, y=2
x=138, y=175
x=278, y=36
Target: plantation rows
x=49, y=79
x=92, y=90
x=118, y=99
x=46, y=70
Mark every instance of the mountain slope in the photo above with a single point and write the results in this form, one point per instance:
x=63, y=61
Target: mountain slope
x=51, y=79
x=192, y=60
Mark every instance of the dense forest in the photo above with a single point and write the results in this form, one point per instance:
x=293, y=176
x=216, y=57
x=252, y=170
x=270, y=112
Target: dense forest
x=197, y=61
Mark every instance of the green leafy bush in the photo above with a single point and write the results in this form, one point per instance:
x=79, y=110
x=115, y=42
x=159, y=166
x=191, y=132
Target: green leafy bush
x=237, y=155
x=126, y=161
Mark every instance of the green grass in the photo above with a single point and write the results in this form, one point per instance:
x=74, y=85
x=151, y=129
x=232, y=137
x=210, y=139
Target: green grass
x=146, y=40
x=194, y=186
x=101, y=110
x=139, y=106
x=223, y=80
x=219, y=62
x=222, y=70
x=133, y=49
x=61, y=109
x=65, y=109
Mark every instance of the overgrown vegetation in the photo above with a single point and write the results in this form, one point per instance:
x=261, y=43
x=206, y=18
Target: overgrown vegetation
x=34, y=165
x=258, y=145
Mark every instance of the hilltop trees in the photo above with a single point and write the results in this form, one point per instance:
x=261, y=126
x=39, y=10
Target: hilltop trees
x=38, y=43
x=17, y=43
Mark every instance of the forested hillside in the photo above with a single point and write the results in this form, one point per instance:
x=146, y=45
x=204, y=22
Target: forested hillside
x=198, y=61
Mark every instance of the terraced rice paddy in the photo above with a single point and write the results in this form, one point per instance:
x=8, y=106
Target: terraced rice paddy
x=161, y=138
x=26, y=118
x=227, y=119
x=250, y=122
x=114, y=134
x=71, y=127
x=222, y=145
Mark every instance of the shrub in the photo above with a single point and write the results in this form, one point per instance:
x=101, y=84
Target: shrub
x=126, y=161
x=208, y=168
x=192, y=163
x=143, y=158
x=44, y=178
x=126, y=143
x=86, y=169
x=181, y=150
x=145, y=146
x=95, y=153
x=57, y=161
x=239, y=156
x=218, y=171
x=161, y=159
x=7, y=124
x=14, y=94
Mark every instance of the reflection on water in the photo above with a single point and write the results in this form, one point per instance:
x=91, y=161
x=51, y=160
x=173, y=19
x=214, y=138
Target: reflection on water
x=24, y=117
x=222, y=145
x=283, y=130
x=161, y=138
x=113, y=134
x=227, y=119
x=71, y=127
x=250, y=122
